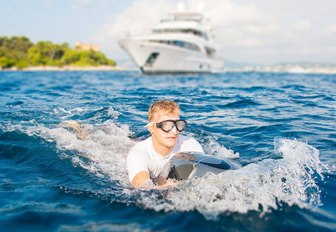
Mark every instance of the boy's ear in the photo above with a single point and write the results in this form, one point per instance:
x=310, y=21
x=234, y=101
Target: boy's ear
x=151, y=128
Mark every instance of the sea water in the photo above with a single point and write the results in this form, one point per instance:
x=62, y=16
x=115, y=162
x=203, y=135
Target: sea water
x=280, y=127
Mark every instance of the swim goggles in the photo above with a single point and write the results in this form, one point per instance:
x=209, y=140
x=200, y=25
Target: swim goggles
x=168, y=125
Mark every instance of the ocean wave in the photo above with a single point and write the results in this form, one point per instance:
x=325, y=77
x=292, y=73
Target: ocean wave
x=260, y=186
x=233, y=115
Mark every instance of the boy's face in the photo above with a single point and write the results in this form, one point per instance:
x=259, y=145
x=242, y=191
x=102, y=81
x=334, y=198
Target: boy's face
x=161, y=139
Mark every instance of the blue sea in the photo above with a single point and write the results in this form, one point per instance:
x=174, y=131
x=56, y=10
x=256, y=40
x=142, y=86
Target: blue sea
x=280, y=127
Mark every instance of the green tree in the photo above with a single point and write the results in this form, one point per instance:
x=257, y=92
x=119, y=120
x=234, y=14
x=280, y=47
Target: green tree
x=20, y=52
x=13, y=51
x=71, y=56
x=19, y=43
x=85, y=58
x=7, y=62
x=47, y=53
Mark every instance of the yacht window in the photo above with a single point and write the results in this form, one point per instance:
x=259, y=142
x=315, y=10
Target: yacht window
x=209, y=51
x=178, y=43
x=151, y=59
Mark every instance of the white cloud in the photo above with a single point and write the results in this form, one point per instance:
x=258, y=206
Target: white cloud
x=231, y=22
x=81, y=3
x=301, y=25
x=297, y=30
x=135, y=20
x=331, y=28
x=243, y=30
x=240, y=26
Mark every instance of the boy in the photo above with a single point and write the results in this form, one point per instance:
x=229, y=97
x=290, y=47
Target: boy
x=146, y=159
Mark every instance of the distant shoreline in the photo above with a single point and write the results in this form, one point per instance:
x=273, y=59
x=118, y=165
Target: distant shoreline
x=69, y=68
x=312, y=70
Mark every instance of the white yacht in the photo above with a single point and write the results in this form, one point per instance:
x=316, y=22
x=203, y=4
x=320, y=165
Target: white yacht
x=181, y=43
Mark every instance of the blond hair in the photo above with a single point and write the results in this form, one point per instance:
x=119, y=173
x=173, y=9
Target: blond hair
x=164, y=105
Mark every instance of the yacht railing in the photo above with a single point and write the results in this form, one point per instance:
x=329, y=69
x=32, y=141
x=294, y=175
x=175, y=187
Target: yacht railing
x=184, y=31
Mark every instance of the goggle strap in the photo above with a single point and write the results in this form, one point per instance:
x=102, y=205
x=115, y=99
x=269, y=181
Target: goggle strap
x=148, y=124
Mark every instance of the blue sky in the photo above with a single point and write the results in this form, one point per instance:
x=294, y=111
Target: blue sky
x=255, y=31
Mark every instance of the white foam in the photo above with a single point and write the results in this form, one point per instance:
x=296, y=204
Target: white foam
x=214, y=148
x=259, y=186
x=66, y=113
x=113, y=113
x=103, y=152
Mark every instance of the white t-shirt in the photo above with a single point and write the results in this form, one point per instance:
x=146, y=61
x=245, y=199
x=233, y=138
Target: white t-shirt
x=143, y=157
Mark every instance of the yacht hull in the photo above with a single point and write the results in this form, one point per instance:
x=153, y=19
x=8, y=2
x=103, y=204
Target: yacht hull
x=156, y=58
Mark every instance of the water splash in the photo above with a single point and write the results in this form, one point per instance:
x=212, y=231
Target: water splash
x=102, y=152
x=259, y=186
x=214, y=148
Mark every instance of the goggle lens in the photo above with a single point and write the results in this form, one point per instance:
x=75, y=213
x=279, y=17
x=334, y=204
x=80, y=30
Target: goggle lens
x=168, y=125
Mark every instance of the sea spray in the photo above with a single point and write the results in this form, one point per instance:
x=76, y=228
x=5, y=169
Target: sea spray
x=260, y=186
x=45, y=187
x=102, y=152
